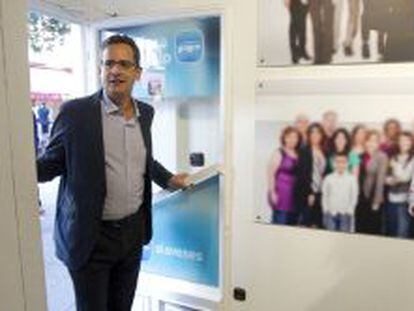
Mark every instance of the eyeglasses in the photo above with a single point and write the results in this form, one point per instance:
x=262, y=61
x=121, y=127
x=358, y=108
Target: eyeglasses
x=123, y=63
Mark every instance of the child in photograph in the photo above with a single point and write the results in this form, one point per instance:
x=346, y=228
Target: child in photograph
x=341, y=144
x=373, y=168
x=282, y=178
x=311, y=171
x=401, y=169
x=339, y=196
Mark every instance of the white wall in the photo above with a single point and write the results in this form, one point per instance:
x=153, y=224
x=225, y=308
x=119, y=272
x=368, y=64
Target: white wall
x=21, y=282
x=284, y=268
x=296, y=269
x=11, y=285
x=281, y=268
x=198, y=130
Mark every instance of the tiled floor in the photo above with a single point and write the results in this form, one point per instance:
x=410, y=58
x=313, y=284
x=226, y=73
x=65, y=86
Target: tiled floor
x=60, y=296
x=58, y=284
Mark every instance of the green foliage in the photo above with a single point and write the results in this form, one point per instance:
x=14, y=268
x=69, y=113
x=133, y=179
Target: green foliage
x=45, y=33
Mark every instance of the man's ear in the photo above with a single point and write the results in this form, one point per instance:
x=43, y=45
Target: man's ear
x=138, y=74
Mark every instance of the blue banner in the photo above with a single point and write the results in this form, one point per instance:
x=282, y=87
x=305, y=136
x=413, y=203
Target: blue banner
x=185, y=244
x=181, y=58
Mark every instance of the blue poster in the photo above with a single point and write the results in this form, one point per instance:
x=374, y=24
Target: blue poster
x=185, y=244
x=180, y=58
x=181, y=61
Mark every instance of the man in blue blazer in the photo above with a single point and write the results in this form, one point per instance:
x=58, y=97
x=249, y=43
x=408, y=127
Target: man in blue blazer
x=101, y=147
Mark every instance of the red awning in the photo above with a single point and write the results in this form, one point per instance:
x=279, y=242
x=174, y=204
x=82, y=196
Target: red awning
x=46, y=97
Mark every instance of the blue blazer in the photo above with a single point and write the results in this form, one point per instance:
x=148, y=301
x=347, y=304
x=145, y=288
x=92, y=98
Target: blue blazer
x=76, y=153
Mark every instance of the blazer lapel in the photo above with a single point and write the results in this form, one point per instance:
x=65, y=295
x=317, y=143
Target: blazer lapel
x=144, y=123
x=97, y=132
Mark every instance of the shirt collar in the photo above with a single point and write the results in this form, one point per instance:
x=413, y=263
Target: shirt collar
x=112, y=108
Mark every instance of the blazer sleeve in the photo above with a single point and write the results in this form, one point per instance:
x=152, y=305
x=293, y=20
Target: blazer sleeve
x=354, y=194
x=411, y=193
x=160, y=175
x=52, y=162
x=325, y=194
x=380, y=179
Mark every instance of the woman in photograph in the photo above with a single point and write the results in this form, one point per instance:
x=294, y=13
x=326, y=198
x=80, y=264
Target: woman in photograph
x=401, y=169
x=311, y=171
x=341, y=143
x=301, y=123
x=392, y=130
x=282, y=178
x=373, y=168
x=298, y=10
x=358, y=138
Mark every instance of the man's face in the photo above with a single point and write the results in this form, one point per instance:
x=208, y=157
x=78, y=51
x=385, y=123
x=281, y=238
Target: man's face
x=341, y=164
x=330, y=121
x=302, y=123
x=118, y=71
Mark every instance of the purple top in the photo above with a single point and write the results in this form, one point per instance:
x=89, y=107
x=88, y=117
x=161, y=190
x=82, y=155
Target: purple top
x=285, y=179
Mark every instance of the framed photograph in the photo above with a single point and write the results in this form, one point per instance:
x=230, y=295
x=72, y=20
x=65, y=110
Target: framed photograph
x=316, y=32
x=337, y=160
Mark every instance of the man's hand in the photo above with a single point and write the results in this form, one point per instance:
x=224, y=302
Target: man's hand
x=411, y=210
x=179, y=181
x=273, y=197
x=311, y=200
x=375, y=207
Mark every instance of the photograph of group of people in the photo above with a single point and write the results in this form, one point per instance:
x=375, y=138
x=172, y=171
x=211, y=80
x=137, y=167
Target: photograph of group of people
x=343, y=177
x=336, y=31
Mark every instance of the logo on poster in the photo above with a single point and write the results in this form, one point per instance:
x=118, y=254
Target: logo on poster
x=175, y=252
x=189, y=46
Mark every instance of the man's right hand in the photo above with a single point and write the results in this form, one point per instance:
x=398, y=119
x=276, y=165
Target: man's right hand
x=273, y=197
x=411, y=210
x=311, y=200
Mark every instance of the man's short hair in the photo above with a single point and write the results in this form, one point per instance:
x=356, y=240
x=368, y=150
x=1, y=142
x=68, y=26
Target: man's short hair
x=341, y=155
x=123, y=39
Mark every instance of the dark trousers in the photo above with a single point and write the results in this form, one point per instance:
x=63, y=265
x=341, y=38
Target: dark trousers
x=284, y=218
x=107, y=282
x=297, y=28
x=366, y=27
x=398, y=221
x=400, y=46
x=366, y=219
x=311, y=216
x=322, y=14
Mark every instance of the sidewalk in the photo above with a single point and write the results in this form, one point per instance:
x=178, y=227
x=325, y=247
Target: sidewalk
x=60, y=295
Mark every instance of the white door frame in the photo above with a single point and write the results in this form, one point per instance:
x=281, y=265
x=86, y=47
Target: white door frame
x=22, y=282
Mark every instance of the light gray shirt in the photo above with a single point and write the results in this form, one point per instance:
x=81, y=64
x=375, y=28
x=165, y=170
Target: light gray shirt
x=125, y=157
x=339, y=193
x=402, y=172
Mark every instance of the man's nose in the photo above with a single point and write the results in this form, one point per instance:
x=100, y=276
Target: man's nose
x=116, y=68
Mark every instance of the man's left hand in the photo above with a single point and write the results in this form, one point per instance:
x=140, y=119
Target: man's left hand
x=179, y=181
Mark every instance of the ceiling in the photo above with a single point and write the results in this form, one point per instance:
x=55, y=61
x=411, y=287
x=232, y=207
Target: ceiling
x=79, y=9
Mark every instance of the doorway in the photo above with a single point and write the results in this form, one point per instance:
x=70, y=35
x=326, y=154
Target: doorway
x=56, y=74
